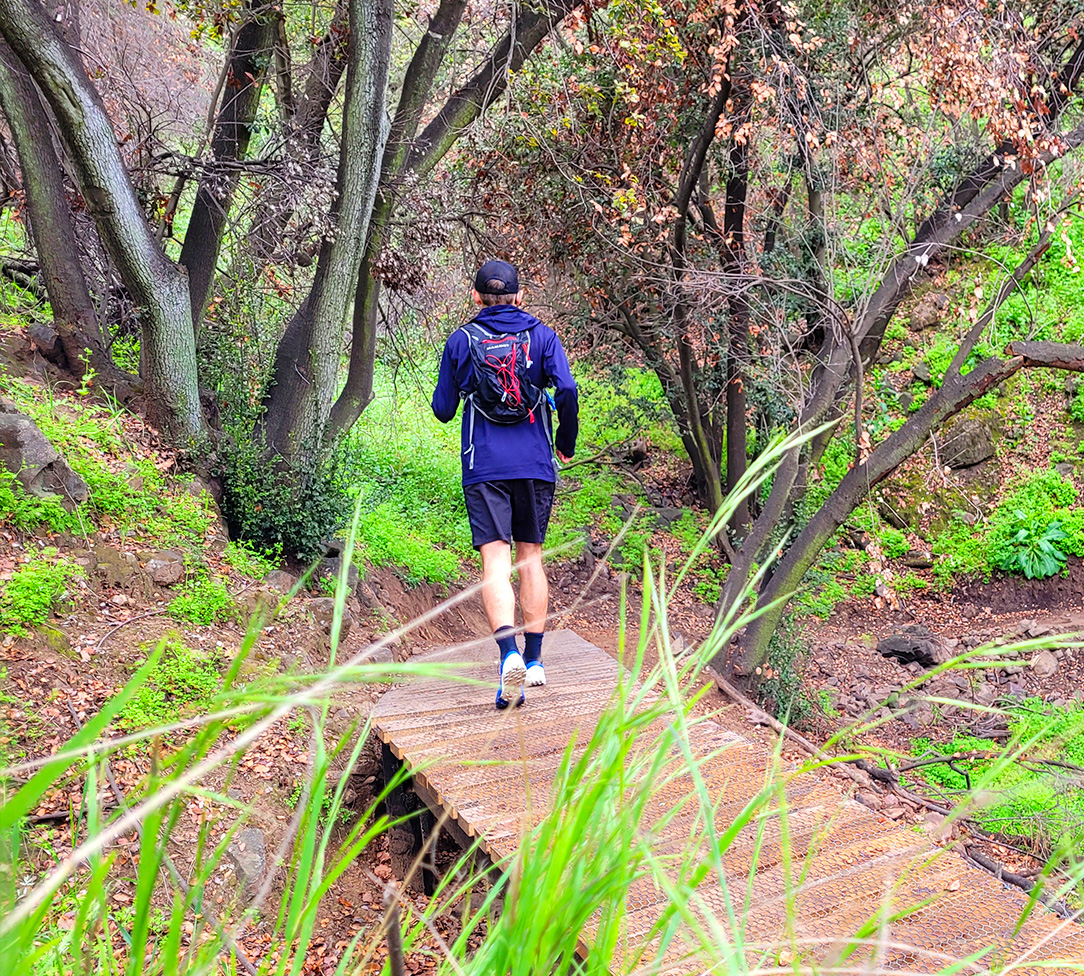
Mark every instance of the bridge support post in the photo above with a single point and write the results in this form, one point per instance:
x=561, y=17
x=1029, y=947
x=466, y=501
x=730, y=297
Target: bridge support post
x=407, y=840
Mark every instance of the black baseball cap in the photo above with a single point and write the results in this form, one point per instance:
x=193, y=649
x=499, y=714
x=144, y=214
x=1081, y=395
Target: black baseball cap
x=496, y=278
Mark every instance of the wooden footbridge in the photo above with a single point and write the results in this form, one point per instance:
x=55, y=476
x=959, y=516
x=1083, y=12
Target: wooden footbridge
x=475, y=768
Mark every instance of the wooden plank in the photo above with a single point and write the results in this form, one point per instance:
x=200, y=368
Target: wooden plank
x=489, y=776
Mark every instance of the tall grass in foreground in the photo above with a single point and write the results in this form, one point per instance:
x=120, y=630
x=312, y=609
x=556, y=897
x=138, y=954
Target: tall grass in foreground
x=581, y=871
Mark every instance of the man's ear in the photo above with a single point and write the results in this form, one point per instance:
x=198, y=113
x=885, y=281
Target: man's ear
x=475, y=296
x=519, y=298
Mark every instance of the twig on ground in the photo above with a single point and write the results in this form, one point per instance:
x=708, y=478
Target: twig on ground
x=124, y=623
x=999, y=871
x=394, y=931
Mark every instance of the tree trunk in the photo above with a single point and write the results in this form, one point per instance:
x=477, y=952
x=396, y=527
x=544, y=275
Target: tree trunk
x=737, y=186
x=50, y=218
x=157, y=286
x=307, y=362
x=955, y=393
x=305, y=124
x=245, y=74
x=417, y=156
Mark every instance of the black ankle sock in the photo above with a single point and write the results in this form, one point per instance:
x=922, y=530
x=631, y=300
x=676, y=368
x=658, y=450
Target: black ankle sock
x=506, y=640
x=532, y=647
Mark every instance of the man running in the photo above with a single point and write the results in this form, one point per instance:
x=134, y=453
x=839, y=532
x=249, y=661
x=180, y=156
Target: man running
x=499, y=364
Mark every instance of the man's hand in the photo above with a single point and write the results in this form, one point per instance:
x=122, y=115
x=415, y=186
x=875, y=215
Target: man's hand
x=563, y=458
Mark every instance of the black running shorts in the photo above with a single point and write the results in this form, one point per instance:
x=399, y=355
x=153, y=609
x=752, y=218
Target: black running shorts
x=516, y=509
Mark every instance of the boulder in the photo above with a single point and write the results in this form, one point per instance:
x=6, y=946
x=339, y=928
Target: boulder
x=914, y=643
x=47, y=341
x=922, y=374
x=165, y=568
x=27, y=453
x=280, y=581
x=331, y=566
x=927, y=312
x=323, y=613
x=967, y=443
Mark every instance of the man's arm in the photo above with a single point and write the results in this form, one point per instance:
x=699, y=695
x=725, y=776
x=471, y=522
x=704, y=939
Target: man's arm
x=565, y=395
x=446, y=395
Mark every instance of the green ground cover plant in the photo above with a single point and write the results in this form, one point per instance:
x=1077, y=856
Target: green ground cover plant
x=34, y=590
x=180, y=683
x=132, y=496
x=203, y=599
x=250, y=561
x=1030, y=786
x=26, y=512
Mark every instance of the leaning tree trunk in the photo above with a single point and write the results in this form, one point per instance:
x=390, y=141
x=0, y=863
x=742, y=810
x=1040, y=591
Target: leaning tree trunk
x=306, y=369
x=245, y=73
x=50, y=218
x=158, y=288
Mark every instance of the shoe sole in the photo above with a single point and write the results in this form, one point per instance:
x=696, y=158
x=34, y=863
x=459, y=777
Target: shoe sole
x=512, y=677
x=536, y=676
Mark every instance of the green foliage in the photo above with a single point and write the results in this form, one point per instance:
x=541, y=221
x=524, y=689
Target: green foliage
x=274, y=508
x=250, y=561
x=961, y=549
x=1030, y=800
x=21, y=510
x=34, y=590
x=1033, y=553
x=389, y=538
x=1035, y=526
x=180, y=683
x=203, y=600
x=1076, y=405
x=134, y=498
x=894, y=542
x=780, y=687
x=626, y=402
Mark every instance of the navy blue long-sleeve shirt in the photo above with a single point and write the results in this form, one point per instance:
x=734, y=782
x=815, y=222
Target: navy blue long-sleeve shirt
x=509, y=450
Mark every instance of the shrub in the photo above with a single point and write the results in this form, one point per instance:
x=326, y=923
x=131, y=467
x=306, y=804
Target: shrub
x=34, y=590
x=267, y=504
x=1036, y=525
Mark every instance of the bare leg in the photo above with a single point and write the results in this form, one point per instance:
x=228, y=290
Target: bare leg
x=534, y=589
x=497, y=597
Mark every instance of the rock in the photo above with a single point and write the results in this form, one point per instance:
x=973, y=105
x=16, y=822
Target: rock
x=927, y=312
x=668, y=516
x=1036, y=629
x=920, y=712
x=1044, y=664
x=967, y=443
x=165, y=568
x=378, y=655
x=48, y=343
x=905, y=400
x=248, y=855
x=893, y=517
x=323, y=612
x=1065, y=468
x=259, y=601
x=331, y=566
x=54, y=639
x=27, y=453
x=1072, y=384
x=922, y=374
x=115, y=567
x=678, y=644
x=280, y=581
x=914, y=643
x=894, y=813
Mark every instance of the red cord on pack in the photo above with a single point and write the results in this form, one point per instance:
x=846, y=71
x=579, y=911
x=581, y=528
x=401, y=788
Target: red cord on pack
x=505, y=369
